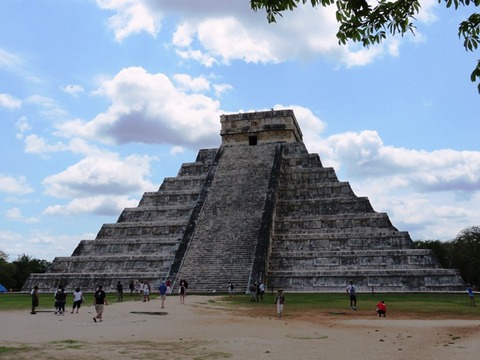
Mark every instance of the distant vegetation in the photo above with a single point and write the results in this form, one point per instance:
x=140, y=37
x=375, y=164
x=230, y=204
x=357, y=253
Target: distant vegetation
x=13, y=274
x=462, y=253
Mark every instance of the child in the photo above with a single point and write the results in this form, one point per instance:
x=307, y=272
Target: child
x=279, y=301
x=382, y=309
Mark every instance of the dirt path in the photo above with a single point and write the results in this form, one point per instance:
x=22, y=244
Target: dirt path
x=204, y=329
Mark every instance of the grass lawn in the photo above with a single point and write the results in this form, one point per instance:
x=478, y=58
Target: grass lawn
x=17, y=301
x=422, y=305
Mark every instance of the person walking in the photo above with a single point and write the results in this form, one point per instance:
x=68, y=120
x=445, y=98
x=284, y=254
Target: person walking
x=119, y=292
x=100, y=300
x=163, y=292
x=35, y=299
x=182, y=291
x=61, y=299
x=280, y=301
x=352, y=292
x=78, y=299
x=261, y=290
x=471, y=295
x=146, y=291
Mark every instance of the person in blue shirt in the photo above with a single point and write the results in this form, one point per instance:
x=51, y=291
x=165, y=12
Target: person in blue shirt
x=163, y=293
x=471, y=295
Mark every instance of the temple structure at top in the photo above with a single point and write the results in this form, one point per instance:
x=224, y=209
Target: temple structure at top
x=259, y=207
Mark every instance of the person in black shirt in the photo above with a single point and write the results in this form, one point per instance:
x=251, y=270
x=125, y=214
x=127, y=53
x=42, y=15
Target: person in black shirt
x=100, y=300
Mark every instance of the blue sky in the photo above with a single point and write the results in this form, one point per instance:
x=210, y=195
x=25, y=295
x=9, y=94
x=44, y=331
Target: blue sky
x=101, y=100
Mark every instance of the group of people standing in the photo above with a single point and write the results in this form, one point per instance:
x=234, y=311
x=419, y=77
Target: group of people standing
x=257, y=290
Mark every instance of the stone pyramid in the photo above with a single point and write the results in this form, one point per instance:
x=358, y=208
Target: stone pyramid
x=258, y=207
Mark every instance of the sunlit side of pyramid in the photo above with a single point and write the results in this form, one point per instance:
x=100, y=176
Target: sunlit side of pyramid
x=258, y=207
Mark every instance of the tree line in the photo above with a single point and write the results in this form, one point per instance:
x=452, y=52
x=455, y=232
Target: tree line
x=14, y=274
x=462, y=253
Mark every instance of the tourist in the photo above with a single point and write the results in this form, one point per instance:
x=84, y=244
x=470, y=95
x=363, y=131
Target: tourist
x=55, y=297
x=61, y=299
x=119, y=292
x=471, y=295
x=146, y=291
x=35, y=299
x=253, y=292
x=131, y=286
x=382, y=309
x=168, y=283
x=352, y=292
x=182, y=291
x=77, y=299
x=100, y=300
x=230, y=288
x=163, y=292
x=280, y=301
x=261, y=290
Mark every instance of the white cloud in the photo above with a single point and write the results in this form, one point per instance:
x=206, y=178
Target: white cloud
x=177, y=150
x=97, y=175
x=99, y=205
x=224, y=31
x=221, y=88
x=9, y=60
x=14, y=185
x=412, y=186
x=147, y=108
x=186, y=83
x=49, y=107
x=9, y=102
x=15, y=214
x=35, y=144
x=131, y=17
x=73, y=89
x=40, y=244
x=23, y=126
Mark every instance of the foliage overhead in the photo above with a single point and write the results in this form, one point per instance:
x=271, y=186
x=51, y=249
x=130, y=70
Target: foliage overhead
x=359, y=21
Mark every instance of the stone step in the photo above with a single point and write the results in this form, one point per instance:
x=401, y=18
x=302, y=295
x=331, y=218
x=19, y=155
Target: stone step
x=184, y=182
x=368, y=280
x=193, y=169
x=119, y=263
x=158, y=228
x=316, y=243
x=312, y=206
x=302, y=160
x=308, y=175
x=163, y=198
x=317, y=190
x=354, y=222
x=153, y=213
x=126, y=246
x=352, y=260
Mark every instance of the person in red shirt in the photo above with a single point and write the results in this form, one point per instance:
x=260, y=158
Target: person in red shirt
x=382, y=309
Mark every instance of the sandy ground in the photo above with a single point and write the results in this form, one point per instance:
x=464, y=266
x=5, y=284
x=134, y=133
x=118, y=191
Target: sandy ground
x=204, y=328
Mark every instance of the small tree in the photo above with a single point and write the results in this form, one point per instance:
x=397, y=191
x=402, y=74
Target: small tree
x=465, y=254
x=439, y=248
x=24, y=266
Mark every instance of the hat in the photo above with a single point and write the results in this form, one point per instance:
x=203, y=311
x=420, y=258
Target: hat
x=280, y=290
